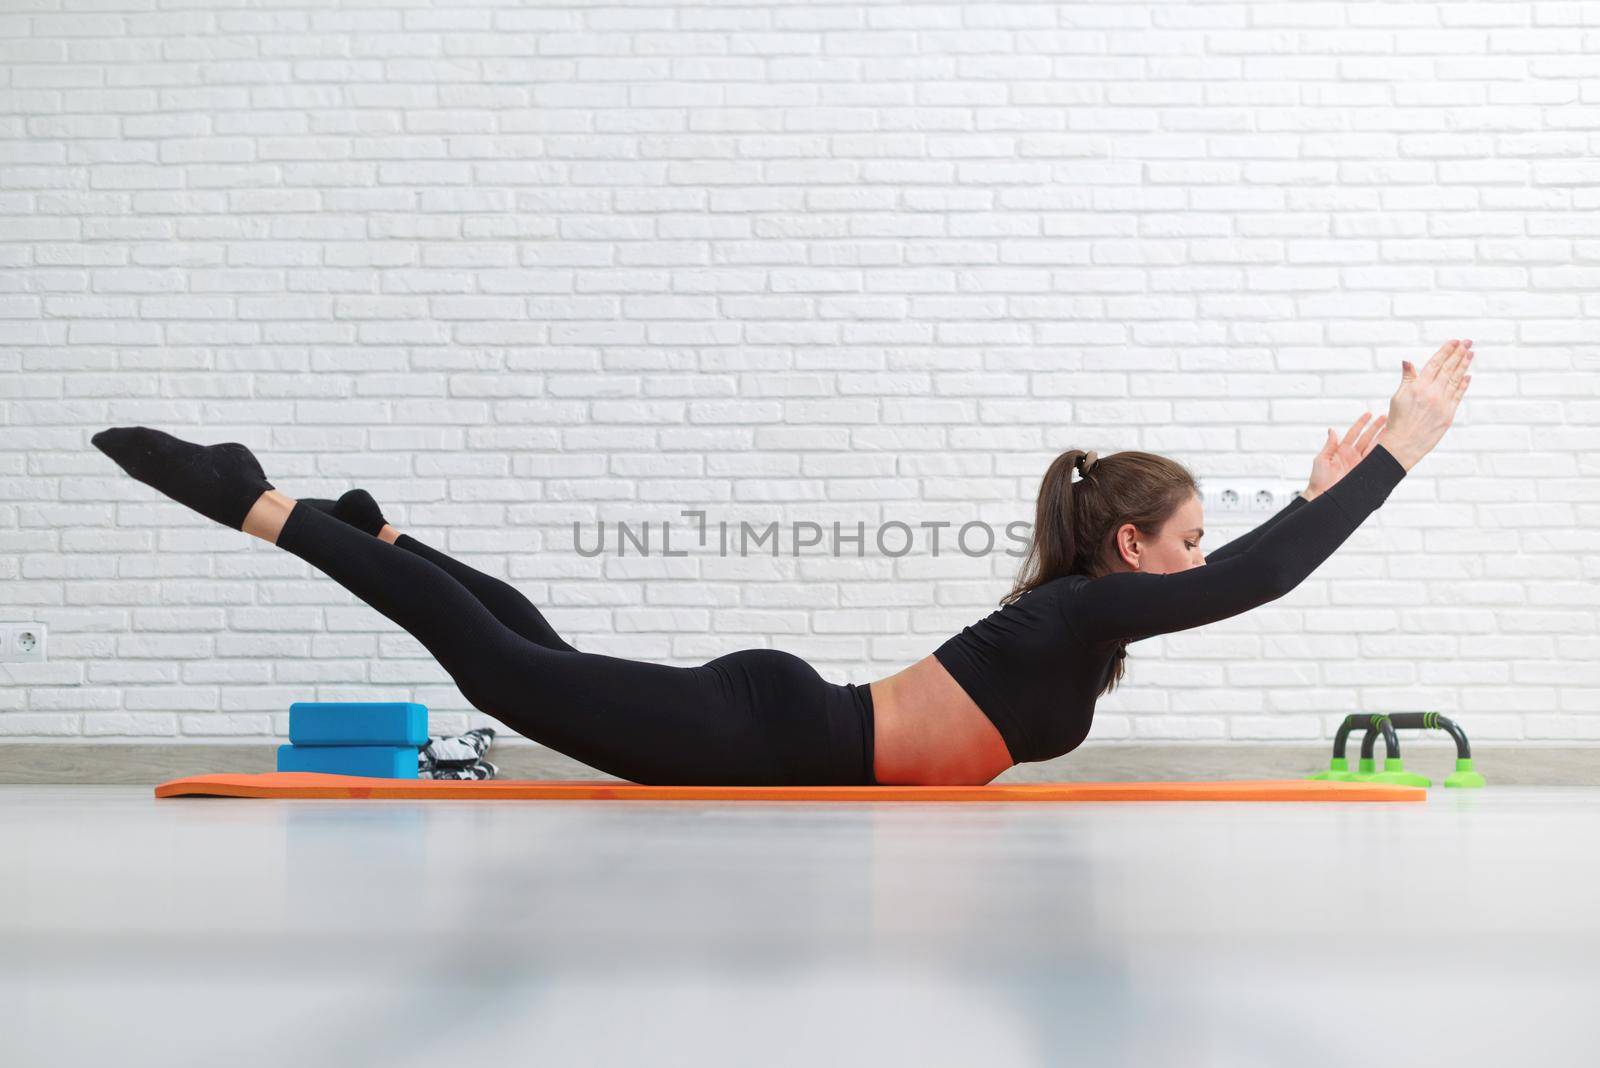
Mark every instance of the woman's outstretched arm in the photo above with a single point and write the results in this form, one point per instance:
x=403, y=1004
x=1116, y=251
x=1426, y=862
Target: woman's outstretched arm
x=1332, y=463
x=1137, y=604
x=1141, y=604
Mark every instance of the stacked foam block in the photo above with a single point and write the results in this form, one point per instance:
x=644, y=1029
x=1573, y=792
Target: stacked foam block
x=378, y=739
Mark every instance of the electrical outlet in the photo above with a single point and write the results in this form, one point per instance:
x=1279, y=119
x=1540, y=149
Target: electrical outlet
x=1242, y=501
x=22, y=642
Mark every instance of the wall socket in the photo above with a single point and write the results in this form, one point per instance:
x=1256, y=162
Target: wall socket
x=1246, y=500
x=21, y=642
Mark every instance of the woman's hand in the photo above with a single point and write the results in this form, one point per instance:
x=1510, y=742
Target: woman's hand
x=1338, y=457
x=1424, y=406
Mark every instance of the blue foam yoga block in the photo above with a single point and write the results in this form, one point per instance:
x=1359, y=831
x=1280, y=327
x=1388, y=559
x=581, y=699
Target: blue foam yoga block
x=358, y=723
x=373, y=761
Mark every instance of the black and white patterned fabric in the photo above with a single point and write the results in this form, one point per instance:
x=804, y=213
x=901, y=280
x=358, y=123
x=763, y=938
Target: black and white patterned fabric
x=479, y=770
x=457, y=756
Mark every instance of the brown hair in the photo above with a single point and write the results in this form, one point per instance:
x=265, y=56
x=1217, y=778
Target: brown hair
x=1075, y=523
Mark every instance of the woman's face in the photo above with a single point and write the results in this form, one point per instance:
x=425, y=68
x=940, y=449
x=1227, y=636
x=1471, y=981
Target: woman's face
x=1176, y=548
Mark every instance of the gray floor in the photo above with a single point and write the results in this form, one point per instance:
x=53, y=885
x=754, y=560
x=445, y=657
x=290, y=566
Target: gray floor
x=133, y=931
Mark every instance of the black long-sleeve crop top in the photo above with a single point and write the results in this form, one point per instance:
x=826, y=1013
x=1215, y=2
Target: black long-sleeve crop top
x=1036, y=666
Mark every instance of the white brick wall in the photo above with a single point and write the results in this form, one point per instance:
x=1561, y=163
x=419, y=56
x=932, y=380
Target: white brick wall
x=513, y=265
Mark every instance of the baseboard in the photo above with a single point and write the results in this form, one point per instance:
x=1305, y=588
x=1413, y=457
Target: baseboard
x=144, y=764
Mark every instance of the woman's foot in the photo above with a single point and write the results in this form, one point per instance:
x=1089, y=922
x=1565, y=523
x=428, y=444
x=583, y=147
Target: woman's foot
x=221, y=482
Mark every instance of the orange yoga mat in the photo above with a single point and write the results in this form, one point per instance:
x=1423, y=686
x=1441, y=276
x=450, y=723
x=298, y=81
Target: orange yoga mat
x=341, y=787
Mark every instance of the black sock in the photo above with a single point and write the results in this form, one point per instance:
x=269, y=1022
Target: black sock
x=221, y=482
x=356, y=508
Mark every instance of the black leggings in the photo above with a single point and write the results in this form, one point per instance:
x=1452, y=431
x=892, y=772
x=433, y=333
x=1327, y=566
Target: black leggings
x=756, y=717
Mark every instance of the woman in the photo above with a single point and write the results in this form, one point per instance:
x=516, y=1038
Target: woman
x=1115, y=558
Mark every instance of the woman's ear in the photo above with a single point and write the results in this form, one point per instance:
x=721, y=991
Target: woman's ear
x=1126, y=546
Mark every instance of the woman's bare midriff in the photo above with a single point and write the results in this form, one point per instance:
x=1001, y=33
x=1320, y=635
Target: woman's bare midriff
x=928, y=732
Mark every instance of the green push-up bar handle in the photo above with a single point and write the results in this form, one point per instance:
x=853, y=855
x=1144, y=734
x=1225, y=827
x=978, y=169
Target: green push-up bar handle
x=1394, y=769
x=1373, y=724
x=1465, y=775
x=1433, y=721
